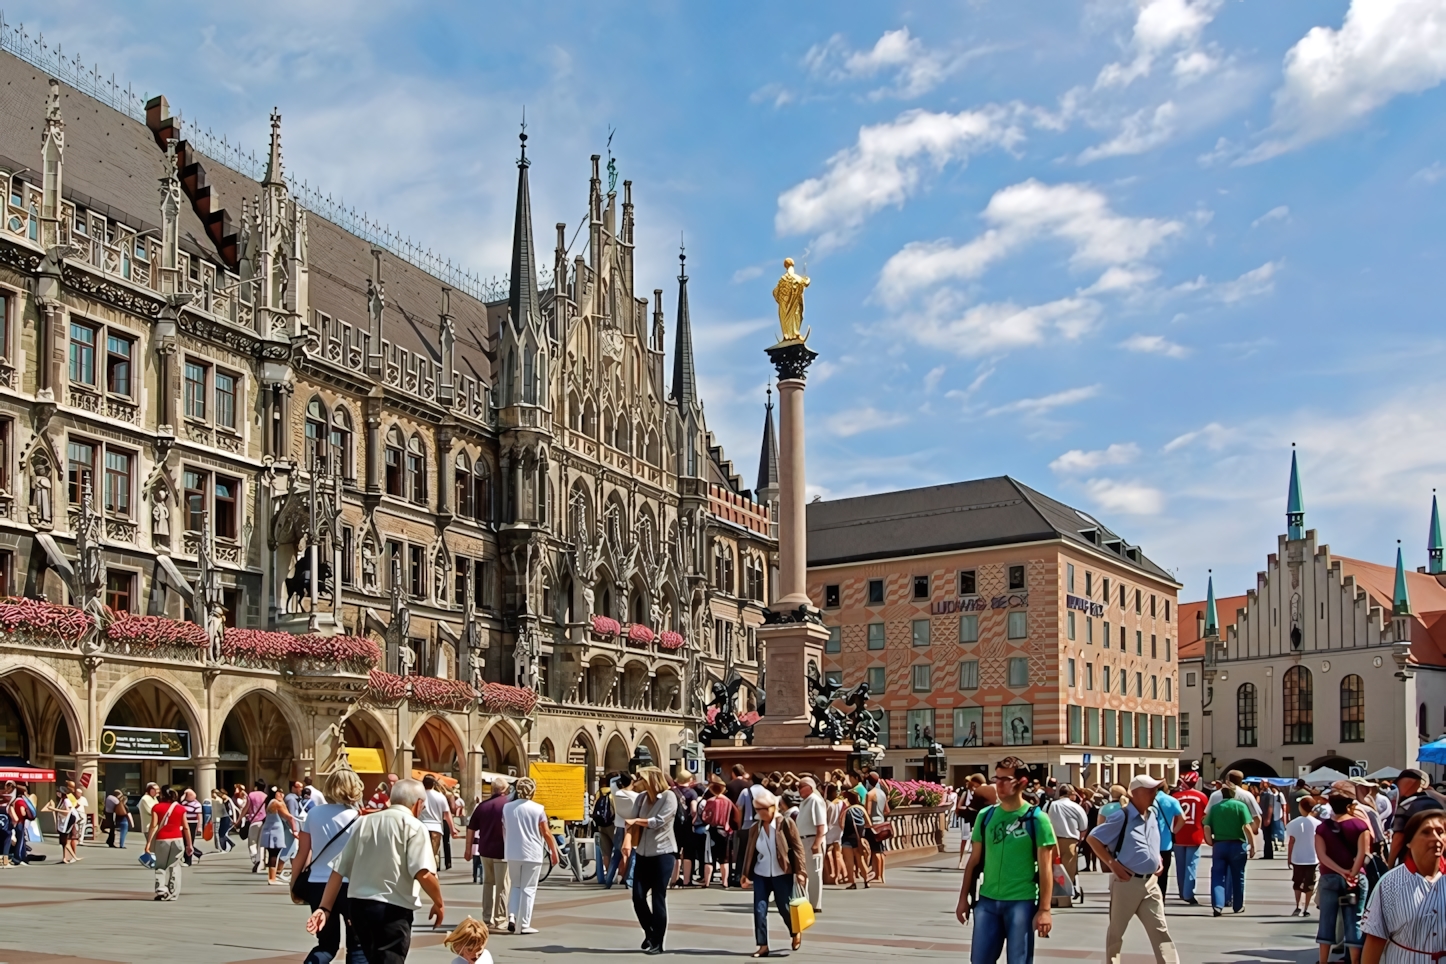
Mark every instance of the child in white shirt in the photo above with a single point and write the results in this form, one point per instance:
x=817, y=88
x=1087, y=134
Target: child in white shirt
x=1300, y=852
x=468, y=941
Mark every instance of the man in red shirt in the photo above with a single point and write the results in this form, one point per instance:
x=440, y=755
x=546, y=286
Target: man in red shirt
x=1189, y=838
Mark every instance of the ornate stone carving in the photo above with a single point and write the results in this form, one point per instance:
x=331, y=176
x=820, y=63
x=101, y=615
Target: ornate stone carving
x=792, y=360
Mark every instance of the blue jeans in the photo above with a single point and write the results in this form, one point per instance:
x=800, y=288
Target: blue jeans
x=22, y=842
x=222, y=833
x=1227, y=874
x=996, y=920
x=617, y=861
x=122, y=829
x=1187, y=861
x=1332, y=888
x=781, y=889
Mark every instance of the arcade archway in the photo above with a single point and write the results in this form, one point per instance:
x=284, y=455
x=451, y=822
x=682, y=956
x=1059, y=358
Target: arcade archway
x=501, y=753
x=150, y=710
x=615, y=760
x=256, y=743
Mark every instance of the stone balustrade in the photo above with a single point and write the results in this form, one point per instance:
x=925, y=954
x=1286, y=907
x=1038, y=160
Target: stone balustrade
x=917, y=828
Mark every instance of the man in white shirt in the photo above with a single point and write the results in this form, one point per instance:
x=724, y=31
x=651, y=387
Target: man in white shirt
x=386, y=860
x=624, y=802
x=1070, y=825
x=1300, y=852
x=436, y=816
x=1235, y=779
x=812, y=823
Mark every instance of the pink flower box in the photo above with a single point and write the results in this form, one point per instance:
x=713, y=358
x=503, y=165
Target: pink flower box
x=670, y=640
x=261, y=644
x=44, y=619
x=501, y=698
x=638, y=633
x=149, y=632
x=605, y=626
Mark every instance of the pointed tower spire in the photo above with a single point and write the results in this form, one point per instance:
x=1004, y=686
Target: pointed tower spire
x=1294, y=504
x=1434, y=546
x=685, y=380
x=1400, y=599
x=522, y=298
x=768, y=457
x=1212, y=619
x=274, y=173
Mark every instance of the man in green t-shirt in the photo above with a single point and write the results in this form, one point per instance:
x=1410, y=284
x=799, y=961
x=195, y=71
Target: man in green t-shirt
x=1015, y=843
x=1231, y=843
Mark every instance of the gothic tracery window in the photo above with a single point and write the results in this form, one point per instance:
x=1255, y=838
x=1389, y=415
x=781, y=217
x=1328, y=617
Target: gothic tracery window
x=393, y=461
x=1353, y=709
x=482, y=490
x=316, y=435
x=462, y=471
x=1245, y=730
x=341, y=442
x=416, y=470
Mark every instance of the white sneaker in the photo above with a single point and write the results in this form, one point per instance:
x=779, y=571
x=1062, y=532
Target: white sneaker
x=530, y=930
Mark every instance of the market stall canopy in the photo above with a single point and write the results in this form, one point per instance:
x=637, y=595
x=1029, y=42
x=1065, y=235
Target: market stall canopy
x=1323, y=776
x=449, y=782
x=1433, y=752
x=1384, y=773
x=27, y=774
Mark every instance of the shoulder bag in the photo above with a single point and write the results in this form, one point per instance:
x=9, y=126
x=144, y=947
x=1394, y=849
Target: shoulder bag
x=299, y=881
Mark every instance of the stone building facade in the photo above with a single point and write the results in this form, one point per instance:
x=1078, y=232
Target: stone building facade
x=995, y=620
x=285, y=421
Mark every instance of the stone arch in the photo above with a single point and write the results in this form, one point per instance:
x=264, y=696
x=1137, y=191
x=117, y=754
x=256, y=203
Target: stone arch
x=1333, y=760
x=667, y=688
x=438, y=746
x=639, y=601
x=364, y=728
x=658, y=759
x=616, y=513
x=1252, y=768
x=546, y=753
x=601, y=677
x=589, y=419
x=655, y=450
x=249, y=740
x=502, y=749
x=617, y=754
x=43, y=699
x=289, y=710
x=634, y=687
x=165, y=682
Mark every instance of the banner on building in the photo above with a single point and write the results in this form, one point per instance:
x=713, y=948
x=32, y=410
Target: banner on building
x=136, y=743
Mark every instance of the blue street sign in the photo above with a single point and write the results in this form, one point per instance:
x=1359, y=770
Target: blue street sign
x=1085, y=760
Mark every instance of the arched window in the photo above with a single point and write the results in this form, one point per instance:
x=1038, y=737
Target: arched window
x=574, y=413
x=529, y=376
x=589, y=419
x=1298, y=703
x=341, y=442
x=416, y=470
x=1353, y=710
x=394, y=462
x=482, y=491
x=655, y=451
x=463, y=486
x=624, y=440
x=316, y=435
x=1421, y=726
x=1245, y=715
x=608, y=429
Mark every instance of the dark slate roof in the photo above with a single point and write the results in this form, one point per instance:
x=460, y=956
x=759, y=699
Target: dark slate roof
x=685, y=380
x=768, y=454
x=962, y=515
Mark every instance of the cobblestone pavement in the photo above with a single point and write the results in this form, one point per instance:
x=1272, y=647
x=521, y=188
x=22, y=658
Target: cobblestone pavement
x=101, y=910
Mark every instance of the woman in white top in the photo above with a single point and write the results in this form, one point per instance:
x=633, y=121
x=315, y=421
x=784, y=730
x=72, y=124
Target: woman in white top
x=526, y=843
x=1405, y=921
x=833, y=861
x=324, y=832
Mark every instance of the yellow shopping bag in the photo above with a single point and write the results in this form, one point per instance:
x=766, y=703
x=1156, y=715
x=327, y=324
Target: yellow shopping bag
x=800, y=912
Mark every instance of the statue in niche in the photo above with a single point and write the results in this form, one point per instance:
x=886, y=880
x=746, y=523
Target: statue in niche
x=588, y=597
x=524, y=660
x=407, y=657
x=40, y=501
x=476, y=662
x=369, y=566
x=160, y=516
x=439, y=579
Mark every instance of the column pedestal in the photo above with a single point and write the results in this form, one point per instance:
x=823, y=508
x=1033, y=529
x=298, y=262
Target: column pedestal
x=789, y=651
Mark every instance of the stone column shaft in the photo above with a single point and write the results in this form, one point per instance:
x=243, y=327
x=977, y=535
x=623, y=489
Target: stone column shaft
x=792, y=507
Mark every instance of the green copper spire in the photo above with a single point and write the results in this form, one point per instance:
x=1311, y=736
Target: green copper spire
x=1434, y=545
x=1294, y=504
x=1212, y=621
x=1401, y=599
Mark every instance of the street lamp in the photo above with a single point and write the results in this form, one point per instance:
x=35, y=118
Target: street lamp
x=936, y=762
x=642, y=757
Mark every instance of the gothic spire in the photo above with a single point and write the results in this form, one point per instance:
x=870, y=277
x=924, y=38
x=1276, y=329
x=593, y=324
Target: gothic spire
x=1212, y=620
x=685, y=380
x=1434, y=545
x=768, y=457
x=522, y=299
x=1294, y=504
x=274, y=173
x=1400, y=599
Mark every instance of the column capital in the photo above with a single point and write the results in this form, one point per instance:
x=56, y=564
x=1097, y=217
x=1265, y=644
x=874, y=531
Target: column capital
x=791, y=359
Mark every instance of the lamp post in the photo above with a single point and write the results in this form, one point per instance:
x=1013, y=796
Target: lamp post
x=642, y=757
x=936, y=762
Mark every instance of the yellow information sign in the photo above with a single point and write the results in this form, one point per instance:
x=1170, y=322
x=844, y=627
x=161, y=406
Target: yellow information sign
x=561, y=789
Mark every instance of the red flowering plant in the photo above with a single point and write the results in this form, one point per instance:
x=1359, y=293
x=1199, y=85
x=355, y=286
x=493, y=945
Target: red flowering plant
x=386, y=687
x=149, y=632
x=670, y=640
x=501, y=698
x=605, y=626
x=913, y=793
x=357, y=651
x=640, y=634
x=452, y=694
x=43, y=620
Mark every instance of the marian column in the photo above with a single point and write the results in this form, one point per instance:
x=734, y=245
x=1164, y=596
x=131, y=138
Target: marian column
x=792, y=635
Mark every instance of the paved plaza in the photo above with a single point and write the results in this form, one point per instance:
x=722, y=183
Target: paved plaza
x=101, y=910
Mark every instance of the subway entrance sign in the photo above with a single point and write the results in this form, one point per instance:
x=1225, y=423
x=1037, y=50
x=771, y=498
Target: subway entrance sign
x=135, y=743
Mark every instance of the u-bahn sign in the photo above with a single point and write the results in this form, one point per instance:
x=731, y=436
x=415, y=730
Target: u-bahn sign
x=135, y=743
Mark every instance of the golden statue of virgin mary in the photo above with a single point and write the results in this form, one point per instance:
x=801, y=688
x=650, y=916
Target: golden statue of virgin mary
x=789, y=295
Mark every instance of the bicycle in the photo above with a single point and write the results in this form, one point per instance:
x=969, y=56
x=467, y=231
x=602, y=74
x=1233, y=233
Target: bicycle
x=567, y=848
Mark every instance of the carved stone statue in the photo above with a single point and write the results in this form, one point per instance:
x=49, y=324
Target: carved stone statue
x=476, y=662
x=439, y=579
x=524, y=660
x=40, y=503
x=160, y=517
x=788, y=292
x=588, y=597
x=407, y=658
x=369, y=566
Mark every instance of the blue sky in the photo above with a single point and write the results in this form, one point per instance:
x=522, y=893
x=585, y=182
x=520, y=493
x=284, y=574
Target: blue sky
x=1124, y=251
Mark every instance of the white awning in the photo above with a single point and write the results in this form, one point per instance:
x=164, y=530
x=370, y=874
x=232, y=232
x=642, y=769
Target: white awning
x=170, y=575
x=53, y=553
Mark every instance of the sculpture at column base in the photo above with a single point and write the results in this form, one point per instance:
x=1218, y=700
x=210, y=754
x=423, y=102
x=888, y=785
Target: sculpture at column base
x=803, y=614
x=791, y=359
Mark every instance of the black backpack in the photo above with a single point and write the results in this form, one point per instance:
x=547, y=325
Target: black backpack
x=602, y=811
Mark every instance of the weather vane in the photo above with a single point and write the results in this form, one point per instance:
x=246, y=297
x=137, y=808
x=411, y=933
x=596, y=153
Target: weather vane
x=612, y=162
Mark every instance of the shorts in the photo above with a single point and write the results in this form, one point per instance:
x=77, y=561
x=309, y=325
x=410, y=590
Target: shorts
x=1303, y=877
x=273, y=856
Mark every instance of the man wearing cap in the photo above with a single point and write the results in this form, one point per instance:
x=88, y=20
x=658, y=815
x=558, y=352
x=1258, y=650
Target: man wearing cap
x=1128, y=846
x=1413, y=795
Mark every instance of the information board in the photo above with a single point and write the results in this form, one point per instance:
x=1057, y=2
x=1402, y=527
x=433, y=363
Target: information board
x=135, y=743
x=561, y=789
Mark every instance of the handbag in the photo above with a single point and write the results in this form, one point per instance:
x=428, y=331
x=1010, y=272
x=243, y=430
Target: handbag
x=882, y=831
x=298, y=881
x=800, y=911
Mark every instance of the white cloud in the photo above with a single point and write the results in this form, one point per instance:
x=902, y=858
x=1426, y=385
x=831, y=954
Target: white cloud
x=998, y=326
x=885, y=166
x=1130, y=498
x=1142, y=131
x=1257, y=281
x=1078, y=460
x=1162, y=26
x=1214, y=434
x=1120, y=278
x=916, y=69
x=931, y=380
x=716, y=334
x=1154, y=345
x=1280, y=213
x=1335, y=77
x=1075, y=213
x=748, y=273
x=1431, y=173
x=1048, y=403
x=867, y=419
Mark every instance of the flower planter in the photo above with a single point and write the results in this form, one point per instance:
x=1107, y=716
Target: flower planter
x=640, y=635
x=140, y=633
x=606, y=626
x=670, y=640
x=44, y=622
x=501, y=698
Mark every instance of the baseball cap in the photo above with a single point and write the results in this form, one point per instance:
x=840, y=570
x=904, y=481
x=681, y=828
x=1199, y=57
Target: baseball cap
x=1144, y=782
x=1362, y=782
x=1411, y=773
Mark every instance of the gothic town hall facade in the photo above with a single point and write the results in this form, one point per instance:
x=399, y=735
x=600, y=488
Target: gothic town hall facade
x=274, y=490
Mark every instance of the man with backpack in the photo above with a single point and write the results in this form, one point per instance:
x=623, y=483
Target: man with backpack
x=1128, y=846
x=602, y=817
x=1014, y=845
